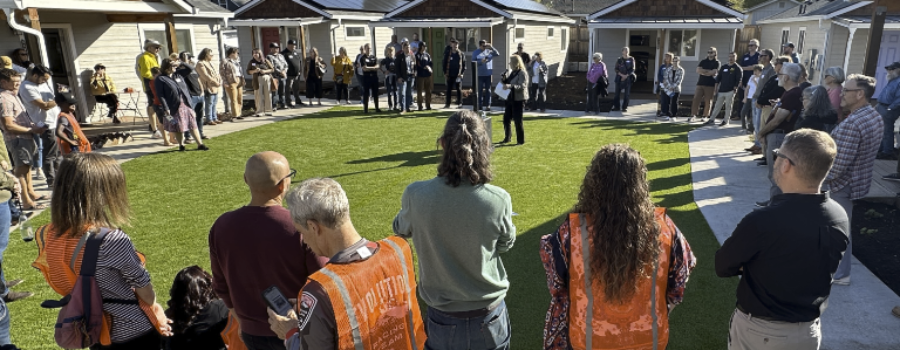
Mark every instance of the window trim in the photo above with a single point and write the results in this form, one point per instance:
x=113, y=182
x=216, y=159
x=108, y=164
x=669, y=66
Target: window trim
x=784, y=38
x=142, y=27
x=696, y=57
x=801, y=41
x=348, y=37
x=564, y=39
x=516, y=37
x=551, y=36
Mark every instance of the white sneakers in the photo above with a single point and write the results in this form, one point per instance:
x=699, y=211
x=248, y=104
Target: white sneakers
x=39, y=174
x=156, y=135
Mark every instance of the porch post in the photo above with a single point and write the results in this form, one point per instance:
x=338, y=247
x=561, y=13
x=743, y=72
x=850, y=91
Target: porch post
x=876, y=30
x=849, y=47
x=303, y=43
x=35, y=20
x=253, y=43
x=170, y=34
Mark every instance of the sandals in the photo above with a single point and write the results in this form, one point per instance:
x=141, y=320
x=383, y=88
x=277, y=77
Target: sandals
x=40, y=206
x=41, y=198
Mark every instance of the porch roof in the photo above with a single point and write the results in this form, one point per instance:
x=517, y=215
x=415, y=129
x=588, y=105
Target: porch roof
x=668, y=22
x=165, y=6
x=276, y=22
x=440, y=22
x=890, y=21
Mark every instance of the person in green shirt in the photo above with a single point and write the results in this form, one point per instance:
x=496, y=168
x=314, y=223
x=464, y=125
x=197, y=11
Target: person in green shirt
x=460, y=224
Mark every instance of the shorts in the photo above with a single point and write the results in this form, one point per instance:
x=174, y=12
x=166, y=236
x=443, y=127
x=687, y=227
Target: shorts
x=23, y=151
x=160, y=113
x=148, y=91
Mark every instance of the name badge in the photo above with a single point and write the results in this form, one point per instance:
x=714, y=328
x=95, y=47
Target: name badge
x=364, y=252
x=725, y=70
x=746, y=58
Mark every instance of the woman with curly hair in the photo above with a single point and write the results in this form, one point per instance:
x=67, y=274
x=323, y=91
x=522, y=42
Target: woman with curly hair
x=613, y=260
x=198, y=315
x=460, y=225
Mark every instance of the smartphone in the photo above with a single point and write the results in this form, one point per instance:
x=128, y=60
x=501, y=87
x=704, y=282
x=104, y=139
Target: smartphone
x=276, y=301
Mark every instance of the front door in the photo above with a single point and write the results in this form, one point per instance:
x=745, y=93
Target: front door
x=56, y=58
x=436, y=49
x=268, y=35
x=889, y=53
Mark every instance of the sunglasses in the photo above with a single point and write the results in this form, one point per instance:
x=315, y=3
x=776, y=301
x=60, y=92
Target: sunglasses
x=751, y=45
x=777, y=154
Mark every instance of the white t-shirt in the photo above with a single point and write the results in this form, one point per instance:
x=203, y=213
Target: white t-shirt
x=751, y=85
x=535, y=68
x=29, y=92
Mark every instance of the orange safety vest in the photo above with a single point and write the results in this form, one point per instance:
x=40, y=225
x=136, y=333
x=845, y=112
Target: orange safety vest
x=54, y=261
x=83, y=145
x=231, y=335
x=374, y=300
x=639, y=323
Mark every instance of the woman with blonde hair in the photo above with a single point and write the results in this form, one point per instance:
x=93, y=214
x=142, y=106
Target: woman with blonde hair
x=460, y=224
x=314, y=69
x=343, y=75
x=617, y=265
x=91, y=204
x=515, y=79
x=261, y=69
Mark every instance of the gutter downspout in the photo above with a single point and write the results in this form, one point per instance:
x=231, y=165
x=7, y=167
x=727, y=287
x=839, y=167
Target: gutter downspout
x=333, y=38
x=42, y=44
x=510, y=42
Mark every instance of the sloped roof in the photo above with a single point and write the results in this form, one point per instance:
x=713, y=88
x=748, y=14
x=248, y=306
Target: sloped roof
x=889, y=19
x=523, y=5
x=510, y=7
x=207, y=6
x=581, y=7
x=382, y=6
x=767, y=3
x=816, y=8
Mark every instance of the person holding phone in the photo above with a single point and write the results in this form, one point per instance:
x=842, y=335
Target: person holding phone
x=321, y=213
x=37, y=96
x=262, y=228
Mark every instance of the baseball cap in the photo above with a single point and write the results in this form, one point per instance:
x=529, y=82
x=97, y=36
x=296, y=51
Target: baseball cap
x=99, y=66
x=292, y=42
x=892, y=66
x=788, y=44
x=273, y=45
x=65, y=97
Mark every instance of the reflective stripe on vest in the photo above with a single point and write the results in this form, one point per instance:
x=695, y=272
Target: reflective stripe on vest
x=409, y=319
x=351, y=313
x=595, y=323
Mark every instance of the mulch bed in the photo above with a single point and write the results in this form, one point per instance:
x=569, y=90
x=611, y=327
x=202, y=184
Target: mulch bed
x=876, y=240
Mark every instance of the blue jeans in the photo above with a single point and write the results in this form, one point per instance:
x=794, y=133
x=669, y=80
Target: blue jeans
x=842, y=197
x=278, y=94
x=390, y=84
x=490, y=332
x=198, y=107
x=485, y=88
x=890, y=117
x=409, y=92
x=211, y=101
x=757, y=112
x=5, y=218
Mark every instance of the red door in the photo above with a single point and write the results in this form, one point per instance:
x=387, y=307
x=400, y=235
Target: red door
x=269, y=35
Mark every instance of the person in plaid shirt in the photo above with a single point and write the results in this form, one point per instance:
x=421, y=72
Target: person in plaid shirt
x=858, y=138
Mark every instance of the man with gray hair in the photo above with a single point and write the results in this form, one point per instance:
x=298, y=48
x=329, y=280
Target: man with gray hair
x=858, y=138
x=256, y=247
x=376, y=278
x=787, y=252
x=787, y=112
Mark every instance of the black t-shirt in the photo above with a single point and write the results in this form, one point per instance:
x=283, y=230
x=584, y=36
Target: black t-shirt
x=389, y=65
x=792, y=100
x=706, y=80
x=191, y=78
x=748, y=61
x=369, y=61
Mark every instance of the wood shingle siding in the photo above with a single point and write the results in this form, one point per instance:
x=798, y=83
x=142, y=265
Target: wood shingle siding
x=664, y=8
x=278, y=9
x=444, y=9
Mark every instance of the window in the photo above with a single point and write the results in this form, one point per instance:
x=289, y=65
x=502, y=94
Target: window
x=781, y=4
x=550, y=33
x=801, y=40
x=468, y=38
x=563, y=43
x=182, y=36
x=293, y=33
x=356, y=32
x=785, y=36
x=684, y=43
x=520, y=33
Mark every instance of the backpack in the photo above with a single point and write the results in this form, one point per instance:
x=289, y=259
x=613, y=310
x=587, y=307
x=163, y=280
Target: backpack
x=80, y=320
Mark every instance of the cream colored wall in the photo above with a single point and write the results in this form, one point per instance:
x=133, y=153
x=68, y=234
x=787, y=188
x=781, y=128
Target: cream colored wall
x=536, y=41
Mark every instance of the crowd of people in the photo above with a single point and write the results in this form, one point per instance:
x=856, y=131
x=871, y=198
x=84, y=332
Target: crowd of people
x=818, y=142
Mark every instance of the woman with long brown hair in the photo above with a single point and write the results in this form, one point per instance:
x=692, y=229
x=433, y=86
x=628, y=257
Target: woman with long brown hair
x=198, y=315
x=614, y=254
x=460, y=225
x=91, y=199
x=314, y=70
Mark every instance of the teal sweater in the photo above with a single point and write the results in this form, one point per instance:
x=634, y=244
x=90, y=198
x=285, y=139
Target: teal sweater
x=458, y=233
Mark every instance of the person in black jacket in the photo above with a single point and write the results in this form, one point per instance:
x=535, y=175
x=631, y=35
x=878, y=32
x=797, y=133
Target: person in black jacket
x=424, y=75
x=404, y=65
x=198, y=315
x=454, y=69
x=175, y=101
x=294, y=59
x=188, y=71
x=369, y=66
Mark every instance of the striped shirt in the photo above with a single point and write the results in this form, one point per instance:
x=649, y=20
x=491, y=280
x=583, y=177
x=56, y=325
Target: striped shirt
x=857, y=138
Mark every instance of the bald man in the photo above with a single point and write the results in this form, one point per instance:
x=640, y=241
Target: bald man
x=256, y=247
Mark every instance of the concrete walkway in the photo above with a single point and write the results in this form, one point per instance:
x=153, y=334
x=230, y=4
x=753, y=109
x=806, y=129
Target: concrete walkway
x=727, y=182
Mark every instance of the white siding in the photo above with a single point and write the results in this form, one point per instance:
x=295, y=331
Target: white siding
x=858, y=52
x=838, y=49
x=536, y=41
x=8, y=40
x=245, y=44
x=815, y=40
x=319, y=36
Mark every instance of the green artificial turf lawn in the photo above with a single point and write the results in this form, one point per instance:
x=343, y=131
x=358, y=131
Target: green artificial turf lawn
x=177, y=196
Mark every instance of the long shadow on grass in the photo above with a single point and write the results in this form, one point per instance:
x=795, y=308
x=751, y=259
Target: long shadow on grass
x=408, y=158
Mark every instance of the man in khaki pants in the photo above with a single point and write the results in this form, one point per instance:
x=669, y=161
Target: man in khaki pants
x=706, y=86
x=787, y=252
